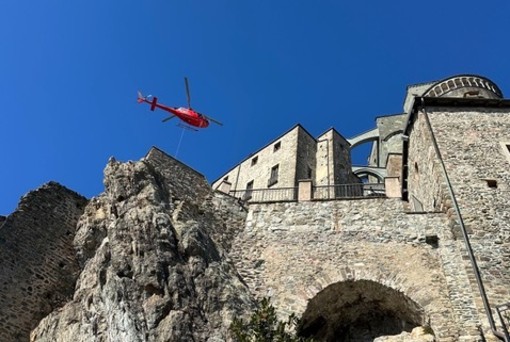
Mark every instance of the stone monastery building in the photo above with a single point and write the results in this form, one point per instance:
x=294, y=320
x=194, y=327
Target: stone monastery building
x=428, y=217
x=414, y=246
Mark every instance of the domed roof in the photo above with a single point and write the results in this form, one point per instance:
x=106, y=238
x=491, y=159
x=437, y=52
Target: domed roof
x=464, y=86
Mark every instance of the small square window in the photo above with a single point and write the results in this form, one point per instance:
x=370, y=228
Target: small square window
x=254, y=160
x=492, y=183
x=277, y=146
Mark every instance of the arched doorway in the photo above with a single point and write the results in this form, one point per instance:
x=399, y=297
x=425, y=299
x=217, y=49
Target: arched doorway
x=359, y=311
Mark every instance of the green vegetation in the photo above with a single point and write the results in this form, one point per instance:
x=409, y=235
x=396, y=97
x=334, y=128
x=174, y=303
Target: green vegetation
x=264, y=326
x=428, y=330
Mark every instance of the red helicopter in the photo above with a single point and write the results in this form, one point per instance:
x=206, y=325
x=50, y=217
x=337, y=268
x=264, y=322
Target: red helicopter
x=188, y=115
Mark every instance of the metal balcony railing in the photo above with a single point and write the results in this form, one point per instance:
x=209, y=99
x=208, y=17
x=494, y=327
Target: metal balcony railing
x=319, y=192
x=266, y=195
x=357, y=190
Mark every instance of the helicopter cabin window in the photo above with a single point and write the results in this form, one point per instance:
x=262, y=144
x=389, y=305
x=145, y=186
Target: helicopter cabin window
x=254, y=160
x=273, y=179
x=277, y=146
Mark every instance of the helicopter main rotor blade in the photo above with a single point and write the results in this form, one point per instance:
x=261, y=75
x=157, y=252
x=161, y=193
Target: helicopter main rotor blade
x=187, y=92
x=213, y=120
x=169, y=118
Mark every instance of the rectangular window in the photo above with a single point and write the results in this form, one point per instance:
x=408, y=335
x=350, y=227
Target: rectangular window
x=506, y=149
x=492, y=183
x=254, y=160
x=249, y=190
x=277, y=146
x=273, y=179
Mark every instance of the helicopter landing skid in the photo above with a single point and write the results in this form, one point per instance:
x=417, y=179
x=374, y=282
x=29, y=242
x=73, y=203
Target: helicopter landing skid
x=187, y=127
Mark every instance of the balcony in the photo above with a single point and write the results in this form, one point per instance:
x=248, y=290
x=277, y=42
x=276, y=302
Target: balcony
x=320, y=192
x=266, y=195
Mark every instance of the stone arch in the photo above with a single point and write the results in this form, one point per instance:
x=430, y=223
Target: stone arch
x=392, y=134
x=368, y=136
x=378, y=173
x=359, y=310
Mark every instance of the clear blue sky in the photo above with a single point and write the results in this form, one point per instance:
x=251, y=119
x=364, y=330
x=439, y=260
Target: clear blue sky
x=69, y=72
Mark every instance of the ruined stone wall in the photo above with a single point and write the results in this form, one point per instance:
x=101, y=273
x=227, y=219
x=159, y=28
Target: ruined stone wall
x=38, y=267
x=184, y=181
x=470, y=144
x=292, y=251
x=194, y=199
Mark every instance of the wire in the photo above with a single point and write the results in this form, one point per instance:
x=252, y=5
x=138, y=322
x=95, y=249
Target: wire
x=179, y=144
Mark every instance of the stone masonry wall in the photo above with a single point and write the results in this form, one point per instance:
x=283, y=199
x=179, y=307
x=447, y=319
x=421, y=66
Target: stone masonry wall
x=341, y=157
x=426, y=183
x=306, y=156
x=391, y=141
x=259, y=171
x=185, y=181
x=333, y=160
x=38, y=268
x=470, y=144
x=291, y=251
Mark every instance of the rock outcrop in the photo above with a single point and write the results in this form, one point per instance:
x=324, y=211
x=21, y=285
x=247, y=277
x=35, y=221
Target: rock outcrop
x=153, y=256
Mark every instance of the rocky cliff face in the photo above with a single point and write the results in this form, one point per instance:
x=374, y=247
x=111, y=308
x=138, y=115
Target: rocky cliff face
x=154, y=264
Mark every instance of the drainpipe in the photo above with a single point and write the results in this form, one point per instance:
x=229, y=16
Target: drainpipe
x=237, y=177
x=474, y=265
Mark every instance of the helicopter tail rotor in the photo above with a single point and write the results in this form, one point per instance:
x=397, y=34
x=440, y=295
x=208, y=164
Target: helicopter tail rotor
x=141, y=98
